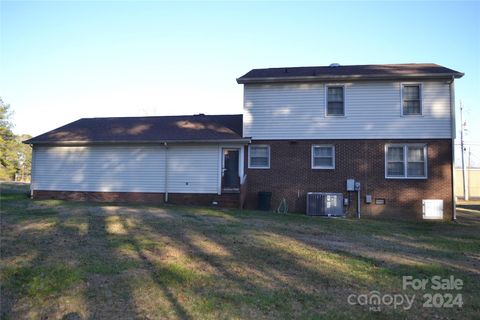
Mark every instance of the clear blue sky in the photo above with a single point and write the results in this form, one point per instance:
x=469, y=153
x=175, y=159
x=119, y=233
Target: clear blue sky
x=61, y=61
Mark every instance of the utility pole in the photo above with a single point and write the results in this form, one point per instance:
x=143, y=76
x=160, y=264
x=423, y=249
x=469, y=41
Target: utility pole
x=462, y=126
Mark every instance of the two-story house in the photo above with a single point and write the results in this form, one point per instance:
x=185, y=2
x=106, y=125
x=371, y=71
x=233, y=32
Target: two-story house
x=389, y=127
x=306, y=129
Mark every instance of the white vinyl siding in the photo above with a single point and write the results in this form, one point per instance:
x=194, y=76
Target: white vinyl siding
x=99, y=168
x=323, y=157
x=406, y=161
x=259, y=157
x=373, y=110
x=191, y=168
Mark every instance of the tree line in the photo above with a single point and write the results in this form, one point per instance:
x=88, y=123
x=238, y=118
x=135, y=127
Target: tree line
x=15, y=156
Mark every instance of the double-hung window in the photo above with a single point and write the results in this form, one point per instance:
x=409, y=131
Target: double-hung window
x=259, y=157
x=407, y=161
x=411, y=99
x=335, y=101
x=323, y=157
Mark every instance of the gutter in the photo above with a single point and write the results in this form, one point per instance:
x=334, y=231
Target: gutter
x=242, y=80
x=80, y=143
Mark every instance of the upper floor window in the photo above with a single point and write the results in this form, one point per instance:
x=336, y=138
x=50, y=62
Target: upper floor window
x=335, y=101
x=407, y=161
x=411, y=99
x=323, y=157
x=259, y=156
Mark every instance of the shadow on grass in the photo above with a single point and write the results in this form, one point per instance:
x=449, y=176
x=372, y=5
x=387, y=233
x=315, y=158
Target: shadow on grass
x=52, y=260
x=176, y=262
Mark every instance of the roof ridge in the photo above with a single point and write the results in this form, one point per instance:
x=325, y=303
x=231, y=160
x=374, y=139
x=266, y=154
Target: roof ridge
x=166, y=116
x=357, y=65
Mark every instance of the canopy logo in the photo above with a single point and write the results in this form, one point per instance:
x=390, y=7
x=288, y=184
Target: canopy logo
x=443, y=299
x=375, y=300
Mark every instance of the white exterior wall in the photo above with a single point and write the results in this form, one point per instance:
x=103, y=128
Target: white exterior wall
x=107, y=168
x=99, y=168
x=372, y=111
x=193, y=169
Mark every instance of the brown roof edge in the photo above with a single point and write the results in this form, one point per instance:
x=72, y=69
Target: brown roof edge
x=78, y=143
x=350, y=72
x=243, y=80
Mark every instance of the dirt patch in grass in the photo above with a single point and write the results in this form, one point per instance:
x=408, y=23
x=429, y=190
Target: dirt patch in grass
x=88, y=261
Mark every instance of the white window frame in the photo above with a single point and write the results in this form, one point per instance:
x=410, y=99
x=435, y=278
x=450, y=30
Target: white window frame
x=313, y=160
x=249, y=156
x=344, y=100
x=405, y=147
x=420, y=86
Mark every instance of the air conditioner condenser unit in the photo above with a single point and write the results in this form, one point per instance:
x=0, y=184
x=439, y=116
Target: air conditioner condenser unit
x=325, y=204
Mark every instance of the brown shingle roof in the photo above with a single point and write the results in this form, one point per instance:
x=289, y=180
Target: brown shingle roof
x=374, y=71
x=146, y=129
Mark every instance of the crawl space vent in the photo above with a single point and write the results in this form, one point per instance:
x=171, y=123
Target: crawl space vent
x=432, y=209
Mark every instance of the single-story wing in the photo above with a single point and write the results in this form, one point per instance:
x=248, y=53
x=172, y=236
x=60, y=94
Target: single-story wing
x=182, y=159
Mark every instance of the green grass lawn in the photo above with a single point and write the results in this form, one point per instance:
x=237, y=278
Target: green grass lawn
x=103, y=261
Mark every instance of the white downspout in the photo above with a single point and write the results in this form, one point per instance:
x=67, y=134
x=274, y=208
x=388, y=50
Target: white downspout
x=452, y=112
x=166, y=171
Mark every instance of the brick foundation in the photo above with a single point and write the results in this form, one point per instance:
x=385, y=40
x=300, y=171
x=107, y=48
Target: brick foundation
x=224, y=200
x=290, y=176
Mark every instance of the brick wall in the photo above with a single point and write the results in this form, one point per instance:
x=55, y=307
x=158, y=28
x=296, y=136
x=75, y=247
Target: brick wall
x=290, y=176
x=224, y=200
